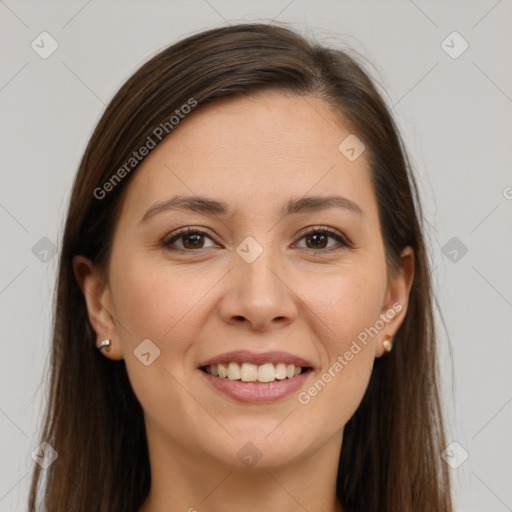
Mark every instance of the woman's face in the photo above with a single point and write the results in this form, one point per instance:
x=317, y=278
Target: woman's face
x=250, y=279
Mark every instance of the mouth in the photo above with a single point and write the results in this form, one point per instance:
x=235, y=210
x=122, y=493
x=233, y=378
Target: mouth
x=256, y=378
x=248, y=372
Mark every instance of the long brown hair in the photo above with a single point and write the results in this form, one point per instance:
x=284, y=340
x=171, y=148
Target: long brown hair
x=390, y=458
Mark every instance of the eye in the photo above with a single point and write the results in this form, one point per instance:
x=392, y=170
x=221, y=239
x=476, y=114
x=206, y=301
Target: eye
x=190, y=238
x=320, y=235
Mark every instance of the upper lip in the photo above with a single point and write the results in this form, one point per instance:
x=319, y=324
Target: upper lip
x=244, y=356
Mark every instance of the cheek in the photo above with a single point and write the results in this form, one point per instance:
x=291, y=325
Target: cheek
x=347, y=301
x=153, y=303
x=152, y=300
x=347, y=307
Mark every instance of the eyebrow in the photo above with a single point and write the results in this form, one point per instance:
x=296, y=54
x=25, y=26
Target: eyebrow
x=208, y=206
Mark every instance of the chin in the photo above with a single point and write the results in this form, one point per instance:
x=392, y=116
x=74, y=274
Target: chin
x=255, y=449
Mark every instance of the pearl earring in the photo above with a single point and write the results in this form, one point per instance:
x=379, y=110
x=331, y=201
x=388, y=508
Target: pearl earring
x=387, y=344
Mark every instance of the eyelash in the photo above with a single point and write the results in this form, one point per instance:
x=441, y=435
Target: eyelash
x=345, y=244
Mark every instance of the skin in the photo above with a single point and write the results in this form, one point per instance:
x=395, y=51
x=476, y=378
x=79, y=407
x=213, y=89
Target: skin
x=255, y=153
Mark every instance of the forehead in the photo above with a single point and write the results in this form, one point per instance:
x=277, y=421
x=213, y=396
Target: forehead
x=268, y=124
x=255, y=150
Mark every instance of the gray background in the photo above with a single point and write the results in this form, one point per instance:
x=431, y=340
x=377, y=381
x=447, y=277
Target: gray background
x=454, y=114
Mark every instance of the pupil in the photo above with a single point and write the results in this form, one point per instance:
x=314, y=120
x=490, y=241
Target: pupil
x=193, y=236
x=315, y=237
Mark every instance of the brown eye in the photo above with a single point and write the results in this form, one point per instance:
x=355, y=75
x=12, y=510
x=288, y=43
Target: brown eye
x=191, y=239
x=317, y=239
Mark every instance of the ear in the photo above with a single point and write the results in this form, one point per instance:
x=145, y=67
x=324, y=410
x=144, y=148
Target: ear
x=396, y=299
x=99, y=305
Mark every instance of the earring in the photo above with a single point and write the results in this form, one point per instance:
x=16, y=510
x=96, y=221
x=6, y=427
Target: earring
x=105, y=344
x=387, y=344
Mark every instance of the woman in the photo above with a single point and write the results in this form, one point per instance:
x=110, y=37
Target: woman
x=244, y=312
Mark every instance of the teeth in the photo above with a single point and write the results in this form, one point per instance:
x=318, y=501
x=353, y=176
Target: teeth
x=247, y=372
x=266, y=373
x=233, y=371
x=223, y=371
x=280, y=371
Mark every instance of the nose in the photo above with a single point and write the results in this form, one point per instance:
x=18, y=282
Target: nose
x=259, y=294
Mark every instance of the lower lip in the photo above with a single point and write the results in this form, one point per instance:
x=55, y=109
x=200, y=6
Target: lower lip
x=250, y=392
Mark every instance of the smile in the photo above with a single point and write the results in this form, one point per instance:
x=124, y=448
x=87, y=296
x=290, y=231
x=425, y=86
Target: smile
x=269, y=389
x=247, y=372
